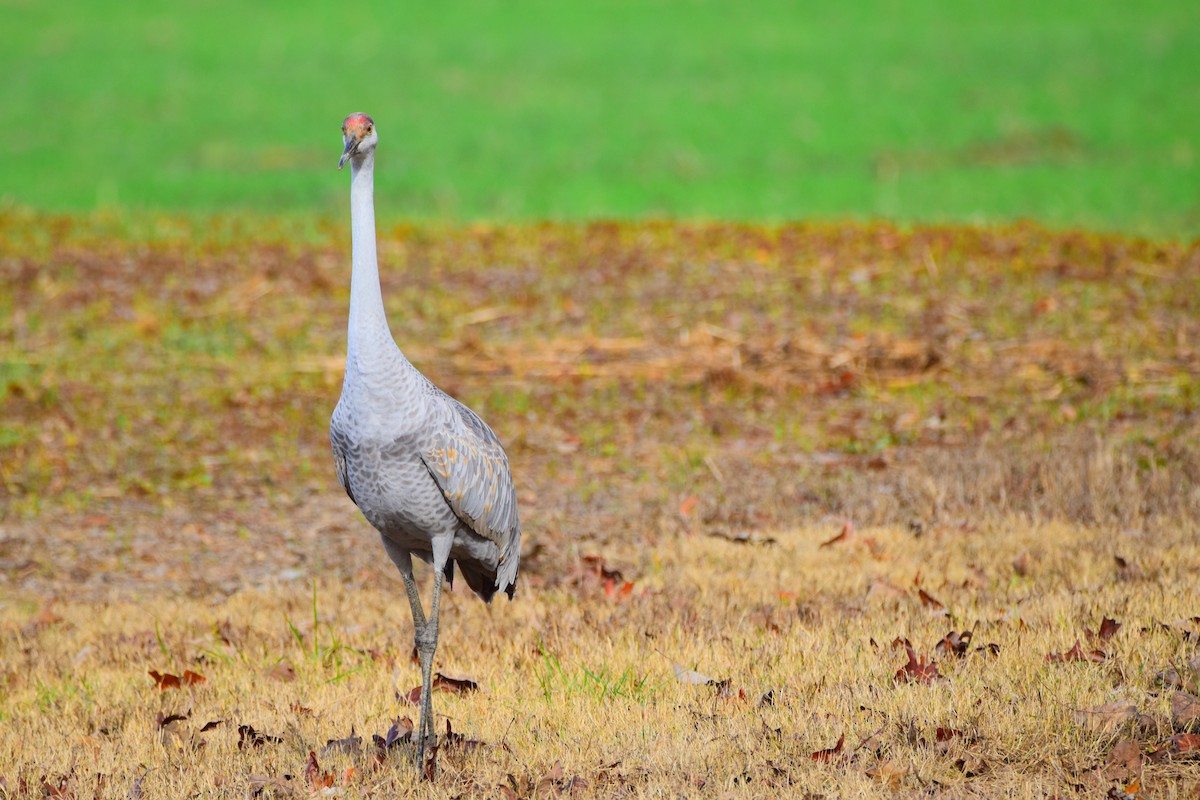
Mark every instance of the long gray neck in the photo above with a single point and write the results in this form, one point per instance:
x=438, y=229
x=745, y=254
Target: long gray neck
x=368, y=327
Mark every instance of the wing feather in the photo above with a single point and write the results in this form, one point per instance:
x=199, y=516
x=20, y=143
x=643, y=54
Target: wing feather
x=470, y=466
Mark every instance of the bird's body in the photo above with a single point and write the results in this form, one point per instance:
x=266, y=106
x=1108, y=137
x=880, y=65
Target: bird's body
x=425, y=471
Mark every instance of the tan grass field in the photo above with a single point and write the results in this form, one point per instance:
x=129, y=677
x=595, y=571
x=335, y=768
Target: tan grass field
x=750, y=462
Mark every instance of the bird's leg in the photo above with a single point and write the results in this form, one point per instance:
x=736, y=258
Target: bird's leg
x=414, y=600
x=426, y=638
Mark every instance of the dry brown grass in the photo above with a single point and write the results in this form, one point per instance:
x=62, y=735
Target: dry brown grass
x=571, y=676
x=1005, y=419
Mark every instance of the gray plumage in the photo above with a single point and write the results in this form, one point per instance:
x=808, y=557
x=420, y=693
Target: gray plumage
x=424, y=469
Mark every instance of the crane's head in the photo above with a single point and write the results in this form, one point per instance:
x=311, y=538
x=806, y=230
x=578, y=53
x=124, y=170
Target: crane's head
x=358, y=135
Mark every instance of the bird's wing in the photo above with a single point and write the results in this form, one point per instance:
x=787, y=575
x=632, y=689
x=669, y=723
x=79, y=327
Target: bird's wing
x=470, y=466
x=340, y=451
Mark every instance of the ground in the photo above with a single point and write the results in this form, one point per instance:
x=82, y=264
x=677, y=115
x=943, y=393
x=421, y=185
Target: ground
x=808, y=509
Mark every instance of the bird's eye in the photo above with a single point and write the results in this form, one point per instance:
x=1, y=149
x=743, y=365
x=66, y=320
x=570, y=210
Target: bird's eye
x=369, y=129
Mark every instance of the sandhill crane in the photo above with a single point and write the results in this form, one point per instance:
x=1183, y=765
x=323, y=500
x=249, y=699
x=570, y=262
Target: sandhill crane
x=427, y=472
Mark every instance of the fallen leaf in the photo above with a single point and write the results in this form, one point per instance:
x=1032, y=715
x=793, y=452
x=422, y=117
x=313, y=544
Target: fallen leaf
x=890, y=772
x=248, y=737
x=455, y=684
x=917, y=670
x=312, y=773
x=350, y=744
x=593, y=571
x=453, y=740
x=1077, y=653
x=1108, y=628
x=946, y=734
x=1107, y=718
x=832, y=753
x=1186, y=742
x=954, y=643
x=688, y=505
x=257, y=784
x=1126, y=569
x=847, y=530
x=165, y=682
x=1185, y=711
x=931, y=602
x=1124, y=761
x=174, y=734
x=1021, y=564
x=1131, y=791
x=399, y=733
x=166, y=719
x=192, y=678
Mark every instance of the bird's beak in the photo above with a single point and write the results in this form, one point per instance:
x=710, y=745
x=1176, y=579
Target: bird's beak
x=351, y=148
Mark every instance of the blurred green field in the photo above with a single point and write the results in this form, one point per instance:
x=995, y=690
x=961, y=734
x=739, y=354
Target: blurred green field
x=1071, y=113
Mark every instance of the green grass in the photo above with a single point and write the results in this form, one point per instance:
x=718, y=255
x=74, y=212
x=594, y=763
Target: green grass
x=1072, y=113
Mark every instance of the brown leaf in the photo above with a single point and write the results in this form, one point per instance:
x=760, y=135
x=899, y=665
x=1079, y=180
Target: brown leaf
x=455, y=684
x=248, y=737
x=164, y=720
x=312, y=773
x=847, y=531
x=1185, y=711
x=174, y=734
x=1124, y=761
x=1126, y=569
x=1186, y=743
x=165, y=682
x=891, y=772
x=954, y=643
x=548, y=782
x=931, y=602
x=257, y=784
x=592, y=571
x=1107, y=718
x=350, y=744
x=399, y=733
x=1108, y=628
x=917, y=670
x=1021, y=564
x=1077, y=653
x=831, y=754
x=946, y=734
x=453, y=740
x=192, y=678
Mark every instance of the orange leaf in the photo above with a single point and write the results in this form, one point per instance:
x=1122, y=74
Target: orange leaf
x=847, y=529
x=825, y=756
x=688, y=505
x=165, y=682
